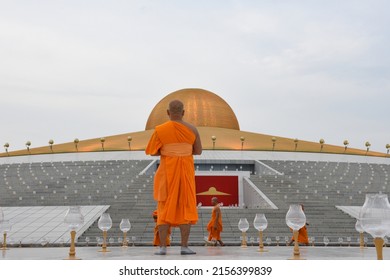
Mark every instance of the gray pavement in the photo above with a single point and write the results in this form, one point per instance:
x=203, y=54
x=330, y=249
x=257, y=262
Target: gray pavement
x=203, y=253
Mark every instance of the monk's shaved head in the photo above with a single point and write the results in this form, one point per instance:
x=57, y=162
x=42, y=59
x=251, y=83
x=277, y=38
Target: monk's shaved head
x=175, y=110
x=176, y=107
x=214, y=200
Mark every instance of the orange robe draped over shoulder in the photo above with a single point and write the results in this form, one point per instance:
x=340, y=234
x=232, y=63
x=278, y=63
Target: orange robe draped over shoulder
x=215, y=233
x=174, y=181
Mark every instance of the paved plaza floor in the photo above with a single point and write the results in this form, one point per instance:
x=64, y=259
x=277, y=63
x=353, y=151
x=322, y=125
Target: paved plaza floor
x=230, y=262
x=202, y=253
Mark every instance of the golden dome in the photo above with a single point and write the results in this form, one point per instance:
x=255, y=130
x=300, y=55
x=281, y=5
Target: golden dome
x=202, y=109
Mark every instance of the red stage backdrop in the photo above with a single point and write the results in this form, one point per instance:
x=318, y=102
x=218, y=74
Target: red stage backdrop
x=223, y=187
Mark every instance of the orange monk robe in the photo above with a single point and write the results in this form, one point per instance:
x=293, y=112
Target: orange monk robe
x=174, y=181
x=156, y=239
x=303, y=237
x=215, y=234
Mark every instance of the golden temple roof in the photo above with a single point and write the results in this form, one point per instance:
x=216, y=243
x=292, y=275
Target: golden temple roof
x=218, y=128
x=225, y=139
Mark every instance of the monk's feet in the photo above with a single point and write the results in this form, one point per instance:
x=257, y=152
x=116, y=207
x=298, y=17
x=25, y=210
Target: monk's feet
x=163, y=251
x=186, y=251
x=221, y=243
x=211, y=242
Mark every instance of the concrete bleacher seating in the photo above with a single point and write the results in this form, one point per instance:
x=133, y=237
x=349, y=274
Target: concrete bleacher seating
x=116, y=183
x=320, y=186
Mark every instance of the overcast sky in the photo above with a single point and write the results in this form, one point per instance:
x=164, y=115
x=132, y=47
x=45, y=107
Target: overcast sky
x=299, y=69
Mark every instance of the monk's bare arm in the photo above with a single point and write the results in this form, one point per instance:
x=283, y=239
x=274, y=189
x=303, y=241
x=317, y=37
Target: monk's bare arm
x=197, y=147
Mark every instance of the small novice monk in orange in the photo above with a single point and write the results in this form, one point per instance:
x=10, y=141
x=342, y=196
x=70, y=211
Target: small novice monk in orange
x=156, y=239
x=214, y=227
x=303, y=238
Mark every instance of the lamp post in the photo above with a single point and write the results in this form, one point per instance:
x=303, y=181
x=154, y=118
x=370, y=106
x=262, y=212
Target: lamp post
x=213, y=138
x=6, y=146
x=243, y=226
x=367, y=144
x=360, y=230
x=242, y=138
x=51, y=142
x=322, y=142
x=76, y=143
x=260, y=223
x=5, y=227
x=346, y=143
x=125, y=226
x=28, y=144
x=296, y=143
x=104, y=224
x=313, y=239
x=75, y=220
x=102, y=140
x=277, y=238
x=375, y=219
x=129, y=138
x=295, y=219
x=273, y=143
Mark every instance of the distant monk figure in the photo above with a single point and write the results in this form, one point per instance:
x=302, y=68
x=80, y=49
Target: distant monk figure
x=214, y=227
x=156, y=239
x=174, y=183
x=303, y=238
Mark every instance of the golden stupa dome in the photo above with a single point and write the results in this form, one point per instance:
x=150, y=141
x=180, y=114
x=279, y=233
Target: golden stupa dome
x=202, y=109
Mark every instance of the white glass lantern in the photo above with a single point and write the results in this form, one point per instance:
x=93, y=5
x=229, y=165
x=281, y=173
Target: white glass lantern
x=260, y=223
x=5, y=227
x=326, y=241
x=375, y=215
x=104, y=224
x=74, y=219
x=295, y=219
x=125, y=226
x=243, y=226
x=375, y=219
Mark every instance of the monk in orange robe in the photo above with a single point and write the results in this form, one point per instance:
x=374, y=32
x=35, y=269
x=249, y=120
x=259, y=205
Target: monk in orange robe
x=174, y=182
x=303, y=238
x=215, y=226
x=156, y=239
